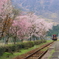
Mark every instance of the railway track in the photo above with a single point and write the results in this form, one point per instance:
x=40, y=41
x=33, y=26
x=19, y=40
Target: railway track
x=38, y=53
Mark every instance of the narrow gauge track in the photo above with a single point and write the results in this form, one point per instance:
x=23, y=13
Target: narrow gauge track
x=38, y=53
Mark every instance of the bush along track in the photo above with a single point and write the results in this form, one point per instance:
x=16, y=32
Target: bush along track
x=17, y=47
x=33, y=52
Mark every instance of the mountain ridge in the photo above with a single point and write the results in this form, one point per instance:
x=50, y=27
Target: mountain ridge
x=46, y=8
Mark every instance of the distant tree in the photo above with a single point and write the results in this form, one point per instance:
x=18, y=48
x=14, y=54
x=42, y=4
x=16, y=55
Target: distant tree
x=54, y=30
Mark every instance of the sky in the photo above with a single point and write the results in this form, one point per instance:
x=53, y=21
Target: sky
x=48, y=9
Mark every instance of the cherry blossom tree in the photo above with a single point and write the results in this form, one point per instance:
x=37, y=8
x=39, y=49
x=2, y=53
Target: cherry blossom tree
x=6, y=16
x=30, y=25
x=20, y=28
x=44, y=27
x=39, y=27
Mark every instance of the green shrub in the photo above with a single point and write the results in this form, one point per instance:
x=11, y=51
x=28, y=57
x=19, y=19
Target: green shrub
x=7, y=54
x=2, y=50
x=16, y=47
x=28, y=45
x=37, y=42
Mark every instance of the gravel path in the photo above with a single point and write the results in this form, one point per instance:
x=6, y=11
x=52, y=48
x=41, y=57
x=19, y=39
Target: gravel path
x=55, y=55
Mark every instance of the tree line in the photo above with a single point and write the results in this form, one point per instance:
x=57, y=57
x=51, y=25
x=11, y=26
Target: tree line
x=20, y=25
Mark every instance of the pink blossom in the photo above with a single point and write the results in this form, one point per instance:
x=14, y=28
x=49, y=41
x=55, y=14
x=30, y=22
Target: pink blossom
x=28, y=25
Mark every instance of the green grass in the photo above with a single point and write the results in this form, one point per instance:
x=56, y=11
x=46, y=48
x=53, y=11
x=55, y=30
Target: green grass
x=49, y=41
x=22, y=51
x=52, y=50
x=44, y=49
x=51, y=54
x=6, y=55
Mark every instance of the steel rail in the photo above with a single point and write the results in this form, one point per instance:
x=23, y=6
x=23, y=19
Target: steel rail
x=39, y=50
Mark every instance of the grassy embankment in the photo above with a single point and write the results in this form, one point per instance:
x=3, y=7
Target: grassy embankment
x=7, y=55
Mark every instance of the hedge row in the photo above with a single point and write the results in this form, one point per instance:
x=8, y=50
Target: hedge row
x=17, y=47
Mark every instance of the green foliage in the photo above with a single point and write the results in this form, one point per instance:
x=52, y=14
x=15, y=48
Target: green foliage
x=39, y=42
x=7, y=54
x=21, y=51
x=51, y=54
x=2, y=50
x=17, y=47
x=28, y=45
x=55, y=30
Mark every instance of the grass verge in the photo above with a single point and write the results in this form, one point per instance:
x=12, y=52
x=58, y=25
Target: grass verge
x=7, y=55
x=51, y=54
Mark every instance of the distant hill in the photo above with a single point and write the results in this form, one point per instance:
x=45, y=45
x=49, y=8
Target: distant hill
x=45, y=8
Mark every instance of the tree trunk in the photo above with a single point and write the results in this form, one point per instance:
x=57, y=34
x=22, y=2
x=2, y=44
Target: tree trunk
x=30, y=39
x=6, y=41
x=41, y=38
x=14, y=40
x=6, y=38
x=21, y=40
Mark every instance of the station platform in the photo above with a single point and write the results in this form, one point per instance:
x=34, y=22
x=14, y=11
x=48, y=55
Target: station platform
x=55, y=54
